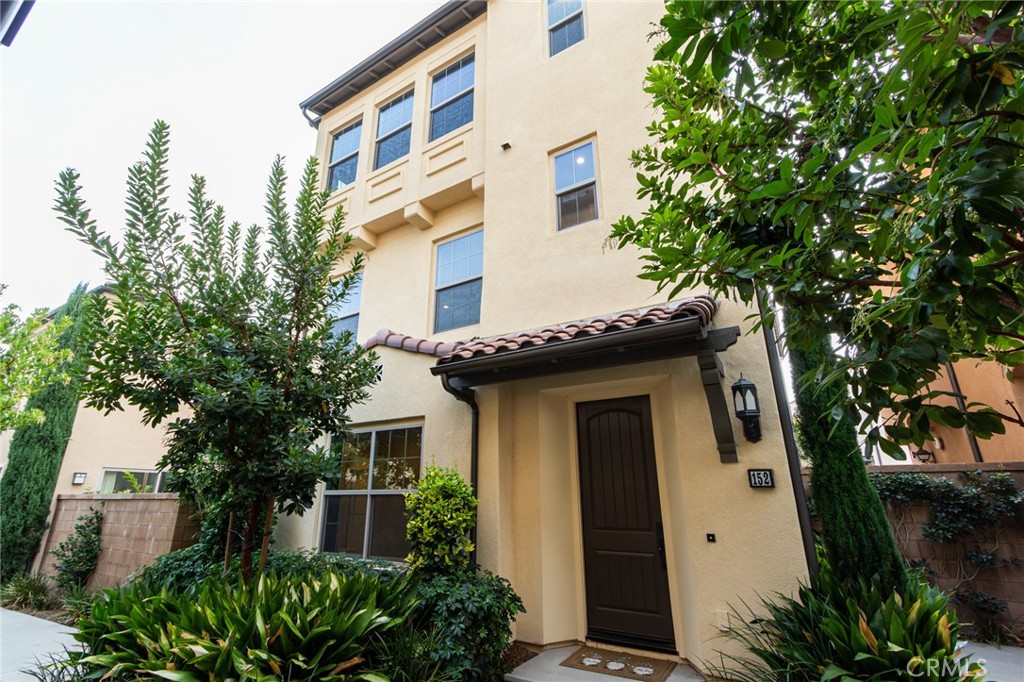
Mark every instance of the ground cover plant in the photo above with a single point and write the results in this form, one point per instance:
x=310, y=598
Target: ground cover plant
x=276, y=627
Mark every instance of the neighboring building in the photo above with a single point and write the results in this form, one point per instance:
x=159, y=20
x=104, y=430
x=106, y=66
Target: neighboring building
x=988, y=383
x=481, y=159
x=102, y=448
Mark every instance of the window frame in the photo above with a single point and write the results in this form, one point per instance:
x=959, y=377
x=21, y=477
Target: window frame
x=331, y=166
x=359, y=292
x=159, y=487
x=378, y=139
x=455, y=283
x=563, y=22
x=369, y=492
x=576, y=186
x=435, y=108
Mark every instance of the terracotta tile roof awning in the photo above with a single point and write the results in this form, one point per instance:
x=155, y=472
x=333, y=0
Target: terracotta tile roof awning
x=390, y=339
x=644, y=334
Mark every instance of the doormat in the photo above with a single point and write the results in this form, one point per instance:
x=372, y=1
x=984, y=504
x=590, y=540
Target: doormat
x=627, y=666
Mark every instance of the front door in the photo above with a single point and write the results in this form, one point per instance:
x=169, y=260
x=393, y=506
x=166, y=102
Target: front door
x=623, y=537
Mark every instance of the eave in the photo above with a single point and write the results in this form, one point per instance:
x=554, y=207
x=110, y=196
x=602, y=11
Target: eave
x=438, y=25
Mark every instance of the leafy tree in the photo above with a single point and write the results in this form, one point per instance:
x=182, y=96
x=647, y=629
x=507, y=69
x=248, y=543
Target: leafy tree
x=862, y=163
x=226, y=335
x=29, y=359
x=37, y=450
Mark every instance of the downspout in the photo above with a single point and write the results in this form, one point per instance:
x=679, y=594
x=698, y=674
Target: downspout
x=314, y=123
x=788, y=438
x=962, y=405
x=468, y=396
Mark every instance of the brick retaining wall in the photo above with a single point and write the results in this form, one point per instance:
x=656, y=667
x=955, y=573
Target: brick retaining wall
x=137, y=528
x=1005, y=582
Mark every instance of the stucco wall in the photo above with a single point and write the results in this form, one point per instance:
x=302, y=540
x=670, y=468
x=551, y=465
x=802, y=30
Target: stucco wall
x=407, y=395
x=986, y=383
x=115, y=442
x=136, y=530
x=535, y=275
x=529, y=517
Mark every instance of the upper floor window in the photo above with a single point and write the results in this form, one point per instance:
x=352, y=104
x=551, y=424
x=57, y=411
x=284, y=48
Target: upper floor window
x=341, y=170
x=565, y=24
x=346, y=313
x=575, y=186
x=451, y=97
x=459, y=282
x=394, y=130
x=364, y=510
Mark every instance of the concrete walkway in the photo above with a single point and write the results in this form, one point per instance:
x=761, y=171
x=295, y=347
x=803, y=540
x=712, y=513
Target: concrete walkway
x=26, y=639
x=1002, y=664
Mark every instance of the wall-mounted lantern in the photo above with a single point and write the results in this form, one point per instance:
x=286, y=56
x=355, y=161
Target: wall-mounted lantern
x=78, y=478
x=748, y=410
x=924, y=456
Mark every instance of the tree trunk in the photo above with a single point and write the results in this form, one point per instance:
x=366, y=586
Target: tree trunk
x=855, y=532
x=251, y=523
x=227, y=543
x=268, y=525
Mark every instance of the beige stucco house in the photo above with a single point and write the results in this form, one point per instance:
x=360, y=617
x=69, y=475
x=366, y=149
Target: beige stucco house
x=481, y=158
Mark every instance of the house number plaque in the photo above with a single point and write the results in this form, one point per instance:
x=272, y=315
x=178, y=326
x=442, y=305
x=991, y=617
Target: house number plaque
x=761, y=478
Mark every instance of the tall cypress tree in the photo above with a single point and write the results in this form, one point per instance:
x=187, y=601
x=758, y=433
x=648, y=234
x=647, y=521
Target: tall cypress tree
x=35, y=456
x=855, y=531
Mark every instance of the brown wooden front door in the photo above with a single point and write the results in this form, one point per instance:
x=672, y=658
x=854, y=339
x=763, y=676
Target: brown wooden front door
x=623, y=537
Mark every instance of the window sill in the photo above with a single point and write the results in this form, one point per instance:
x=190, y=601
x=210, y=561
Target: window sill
x=384, y=170
x=448, y=137
x=340, y=195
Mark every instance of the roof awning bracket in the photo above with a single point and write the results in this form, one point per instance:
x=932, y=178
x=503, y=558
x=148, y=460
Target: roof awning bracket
x=711, y=374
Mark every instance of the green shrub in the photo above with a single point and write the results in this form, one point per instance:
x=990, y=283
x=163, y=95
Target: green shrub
x=76, y=604
x=472, y=616
x=834, y=632
x=286, y=627
x=406, y=654
x=180, y=570
x=79, y=553
x=441, y=513
x=28, y=592
x=185, y=569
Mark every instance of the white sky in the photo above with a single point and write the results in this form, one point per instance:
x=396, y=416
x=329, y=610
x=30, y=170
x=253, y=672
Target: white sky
x=83, y=83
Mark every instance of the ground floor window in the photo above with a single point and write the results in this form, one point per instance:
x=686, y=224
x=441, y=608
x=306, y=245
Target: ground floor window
x=133, y=482
x=364, y=511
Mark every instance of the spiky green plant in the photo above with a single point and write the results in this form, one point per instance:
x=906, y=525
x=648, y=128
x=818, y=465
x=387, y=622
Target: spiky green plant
x=292, y=627
x=832, y=632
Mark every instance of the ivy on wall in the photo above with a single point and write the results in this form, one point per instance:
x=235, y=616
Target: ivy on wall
x=35, y=456
x=970, y=514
